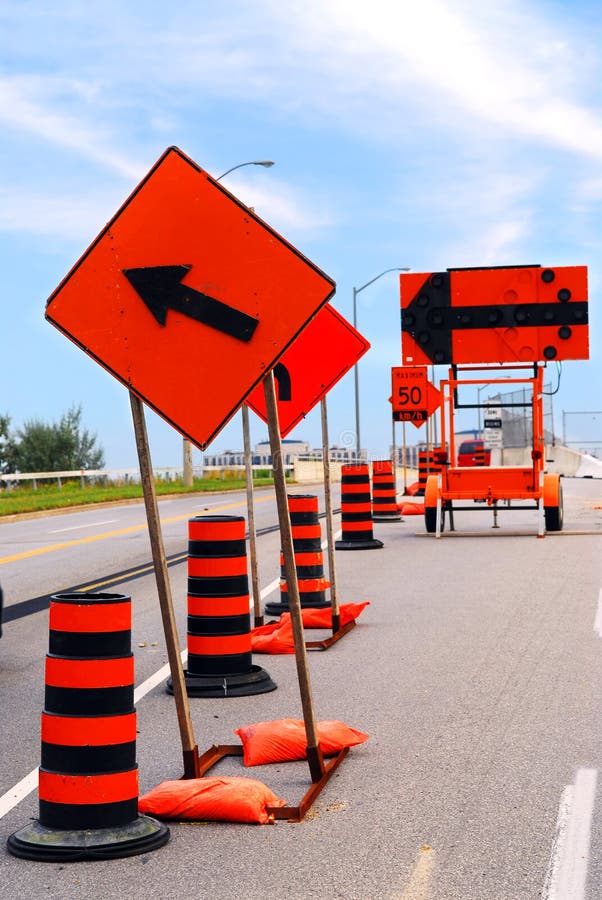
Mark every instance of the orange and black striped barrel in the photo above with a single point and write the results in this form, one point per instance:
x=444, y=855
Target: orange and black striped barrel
x=425, y=461
x=384, y=494
x=430, y=462
x=309, y=559
x=88, y=779
x=356, y=509
x=219, y=621
x=88, y=772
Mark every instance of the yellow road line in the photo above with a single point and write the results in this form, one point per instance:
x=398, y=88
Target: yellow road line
x=419, y=885
x=125, y=576
x=110, y=534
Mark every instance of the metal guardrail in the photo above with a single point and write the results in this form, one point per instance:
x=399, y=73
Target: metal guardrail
x=167, y=472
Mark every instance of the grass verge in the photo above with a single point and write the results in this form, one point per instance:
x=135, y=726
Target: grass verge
x=24, y=499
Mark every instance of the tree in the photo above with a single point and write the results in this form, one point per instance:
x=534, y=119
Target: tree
x=60, y=447
x=7, y=446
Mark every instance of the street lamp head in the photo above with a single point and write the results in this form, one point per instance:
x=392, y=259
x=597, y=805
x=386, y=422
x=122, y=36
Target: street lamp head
x=372, y=280
x=266, y=163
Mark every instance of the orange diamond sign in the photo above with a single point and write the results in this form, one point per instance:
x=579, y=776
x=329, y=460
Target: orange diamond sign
x=312, y=365
x=187, y=297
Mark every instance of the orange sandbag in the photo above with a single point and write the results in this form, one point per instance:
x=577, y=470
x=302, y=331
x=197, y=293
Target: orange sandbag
x=322, y=618
x=272, y=643
x=270, y=628
x=277, y=637
x=285, y=739
x=236, y=799
x=412, y=509
x=413, y=489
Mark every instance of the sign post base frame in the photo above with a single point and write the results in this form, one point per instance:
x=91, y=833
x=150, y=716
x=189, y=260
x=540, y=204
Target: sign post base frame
x=321, y=775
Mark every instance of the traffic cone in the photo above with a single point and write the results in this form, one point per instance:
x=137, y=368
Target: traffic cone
x=88, y=781
x=356, y=509
x=430, y=462
x=384, y=494
x=219, y=621
x=309, y=561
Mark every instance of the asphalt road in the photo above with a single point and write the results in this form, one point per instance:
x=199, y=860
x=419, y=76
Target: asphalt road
x=475, y=670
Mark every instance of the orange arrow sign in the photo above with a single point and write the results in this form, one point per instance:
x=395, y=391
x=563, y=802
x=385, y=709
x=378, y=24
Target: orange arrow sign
x=494, y=315
x=318, y=359
x=187, y=297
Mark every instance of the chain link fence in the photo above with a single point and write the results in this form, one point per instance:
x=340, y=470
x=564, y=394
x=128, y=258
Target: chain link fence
x=517, y=415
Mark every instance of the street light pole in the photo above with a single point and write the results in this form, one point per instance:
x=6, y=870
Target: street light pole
x=357, y=291
x=479, y=389
x=186, y=445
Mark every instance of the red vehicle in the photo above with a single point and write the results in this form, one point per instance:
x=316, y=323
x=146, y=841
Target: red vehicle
x=474, y=453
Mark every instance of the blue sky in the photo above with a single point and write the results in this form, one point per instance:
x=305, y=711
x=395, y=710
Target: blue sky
x=427, y=135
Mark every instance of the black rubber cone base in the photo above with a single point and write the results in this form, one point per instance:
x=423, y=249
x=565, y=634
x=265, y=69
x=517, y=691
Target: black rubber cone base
x=37, y=841
x=257, y=681
x=276, y=609
x=386, y=517
x=358, y=545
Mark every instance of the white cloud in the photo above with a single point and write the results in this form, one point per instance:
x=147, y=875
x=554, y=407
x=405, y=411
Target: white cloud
x=26, y=106
x=505, y=66
x=81, y=217
x=280, y=204
x=71, y=217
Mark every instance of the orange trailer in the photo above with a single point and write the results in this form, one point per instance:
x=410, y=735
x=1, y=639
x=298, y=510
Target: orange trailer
x=453, y=487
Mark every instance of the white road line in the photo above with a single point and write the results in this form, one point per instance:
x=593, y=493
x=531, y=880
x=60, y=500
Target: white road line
x=28, y=784
x=598, y=619
x=567, y=870
x=77, y=527
x=17, y=793
x=146, y=687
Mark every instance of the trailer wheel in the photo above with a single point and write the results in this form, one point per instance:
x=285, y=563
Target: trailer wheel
x=431, y=494
x=430, y=519
x=553, y=506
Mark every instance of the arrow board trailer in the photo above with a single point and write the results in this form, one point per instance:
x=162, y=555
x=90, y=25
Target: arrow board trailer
x=457, y=486
x=187, y=297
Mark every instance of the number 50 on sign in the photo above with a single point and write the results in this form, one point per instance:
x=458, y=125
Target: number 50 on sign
x=413, y=397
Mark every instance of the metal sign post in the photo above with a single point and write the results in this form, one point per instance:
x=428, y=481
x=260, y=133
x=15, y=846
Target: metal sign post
x=332, y=575
x=405, y=451
x=314, y=754
x=246, y=436
x=189, y=747
x=337, y=631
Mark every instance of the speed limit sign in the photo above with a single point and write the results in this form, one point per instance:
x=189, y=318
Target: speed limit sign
x=413, y=397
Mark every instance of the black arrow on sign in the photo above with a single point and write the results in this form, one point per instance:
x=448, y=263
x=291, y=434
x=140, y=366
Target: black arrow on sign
x=161, y=289
x=430, y=319
x=283, y=377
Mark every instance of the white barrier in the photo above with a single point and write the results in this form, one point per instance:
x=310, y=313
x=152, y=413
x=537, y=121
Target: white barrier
x=168, y=473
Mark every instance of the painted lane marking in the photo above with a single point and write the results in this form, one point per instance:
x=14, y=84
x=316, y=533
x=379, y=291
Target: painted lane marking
x=598, y=619
x=153, y=680
x=17, y=793
x=567, y=870
x=77, y=527
x=110, y=534
x=419, y=885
